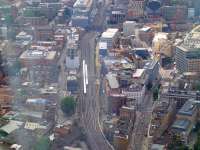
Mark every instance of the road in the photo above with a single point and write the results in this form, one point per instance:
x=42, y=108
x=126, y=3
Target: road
x=62, y=78
x=88, y=104
x=143, y=116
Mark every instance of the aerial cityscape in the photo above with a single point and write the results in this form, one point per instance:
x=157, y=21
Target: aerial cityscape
x=99, y=74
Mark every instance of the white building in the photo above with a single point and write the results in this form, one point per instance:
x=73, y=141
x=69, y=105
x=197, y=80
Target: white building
x=129, y=28
x=109, y=37
x=135, y=92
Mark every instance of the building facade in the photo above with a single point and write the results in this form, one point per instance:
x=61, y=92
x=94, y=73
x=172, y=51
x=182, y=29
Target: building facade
x=188, y=53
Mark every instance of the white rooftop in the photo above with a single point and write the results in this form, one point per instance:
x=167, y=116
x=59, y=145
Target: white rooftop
x=82, y=3
x=145, y=29
x=102, y=45
x=160, y=36
x=112, y=80
x=138, y=73
x=109, y=33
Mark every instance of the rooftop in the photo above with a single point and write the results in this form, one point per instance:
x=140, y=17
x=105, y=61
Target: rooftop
x=188, y=108
x=36, y=101
x=83, y=3
x=112, y=80
x=157, y=147
x=33, y=126
x=138, y=73
x=160, y=36
x=38, y=54
x=109, y=33
x=192, y=40
x=150, y=64
x=181, y=125
x=145, y=29
x=11, y=126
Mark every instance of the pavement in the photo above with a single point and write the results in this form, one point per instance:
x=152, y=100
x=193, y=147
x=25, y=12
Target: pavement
x=88, y=104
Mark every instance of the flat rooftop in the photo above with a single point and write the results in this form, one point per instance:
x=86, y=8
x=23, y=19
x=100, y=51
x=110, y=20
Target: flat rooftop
x=112, y=80
x=109, y=33
x=38, y=54
x=83, y=3
x=181, y=125
x=188, y=108
x=192, y=40
x=138, y=73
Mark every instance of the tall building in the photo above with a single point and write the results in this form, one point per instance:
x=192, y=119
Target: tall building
x=188, y=53
x=81, y=12
x=136, y=9
x=174, y=14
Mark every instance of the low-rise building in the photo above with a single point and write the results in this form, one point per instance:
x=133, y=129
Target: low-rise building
x=129, y=28
x=163, y=116
x=188, y=111
x=72, y=58
x=72, y=84
x=128, y=112
x=44, y=33
x=183, y=128
x=136, y=92
x=186, y=118
x=109, y=37
x=37, y=57
x=23, y=39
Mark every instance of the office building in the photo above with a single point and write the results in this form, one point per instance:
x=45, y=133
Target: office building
x=136, y=9
x=129, y=28
x=81, y=13
x=109, y=37
x=188, y=52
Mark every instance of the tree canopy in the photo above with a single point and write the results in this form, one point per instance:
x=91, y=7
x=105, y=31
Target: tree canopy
x=68, y=105
x=177, y=144
x=197, y=143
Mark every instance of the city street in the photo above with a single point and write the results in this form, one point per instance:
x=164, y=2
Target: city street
x=89, y=103
x=140, y=130
x=62, y=85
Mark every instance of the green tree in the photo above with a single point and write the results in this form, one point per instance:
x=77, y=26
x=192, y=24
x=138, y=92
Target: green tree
x=68, y=105
x=149, y=86
x=197, y=127
x=197, y=85
x=197, y=143
x=155, y=93
x=176, y=144
x=42, y=143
